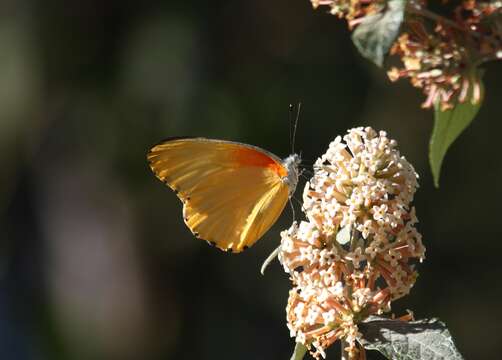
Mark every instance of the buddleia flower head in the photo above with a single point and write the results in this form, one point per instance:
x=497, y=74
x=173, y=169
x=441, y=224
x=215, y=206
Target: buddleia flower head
x=353, y=255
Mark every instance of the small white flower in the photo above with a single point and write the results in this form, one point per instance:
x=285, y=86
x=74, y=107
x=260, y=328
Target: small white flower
x=371, y=251
x=329, y=316
x=392, y=257
x=356, y=257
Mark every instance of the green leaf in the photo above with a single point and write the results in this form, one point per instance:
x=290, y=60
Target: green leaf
x=448, y=125
x=374, y=36
x=427, y=339
x=300, y=351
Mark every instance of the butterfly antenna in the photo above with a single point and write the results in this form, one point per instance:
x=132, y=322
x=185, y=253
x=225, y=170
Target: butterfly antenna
x=298, y=108
x=290, y=118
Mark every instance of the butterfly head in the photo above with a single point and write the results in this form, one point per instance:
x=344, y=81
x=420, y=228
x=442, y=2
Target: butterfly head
x=291, y=163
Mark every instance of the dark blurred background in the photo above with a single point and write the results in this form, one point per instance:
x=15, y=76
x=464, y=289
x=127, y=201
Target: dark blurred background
x=95, y=260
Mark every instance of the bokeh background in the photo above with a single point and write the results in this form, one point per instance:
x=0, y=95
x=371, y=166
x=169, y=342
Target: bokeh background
x=95, y=260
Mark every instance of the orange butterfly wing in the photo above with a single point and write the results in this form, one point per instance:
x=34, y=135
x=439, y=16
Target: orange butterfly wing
x=232, y=192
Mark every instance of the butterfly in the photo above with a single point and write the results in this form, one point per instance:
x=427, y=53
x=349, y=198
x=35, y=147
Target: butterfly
x=232, y=193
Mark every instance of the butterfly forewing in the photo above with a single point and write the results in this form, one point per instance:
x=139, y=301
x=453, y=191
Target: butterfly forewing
x=232, y=192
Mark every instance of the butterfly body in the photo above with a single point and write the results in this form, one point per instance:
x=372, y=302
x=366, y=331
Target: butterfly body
x=232, y=192
x=291, y=164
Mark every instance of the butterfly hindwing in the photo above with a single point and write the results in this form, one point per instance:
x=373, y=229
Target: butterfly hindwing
x=232, y=193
